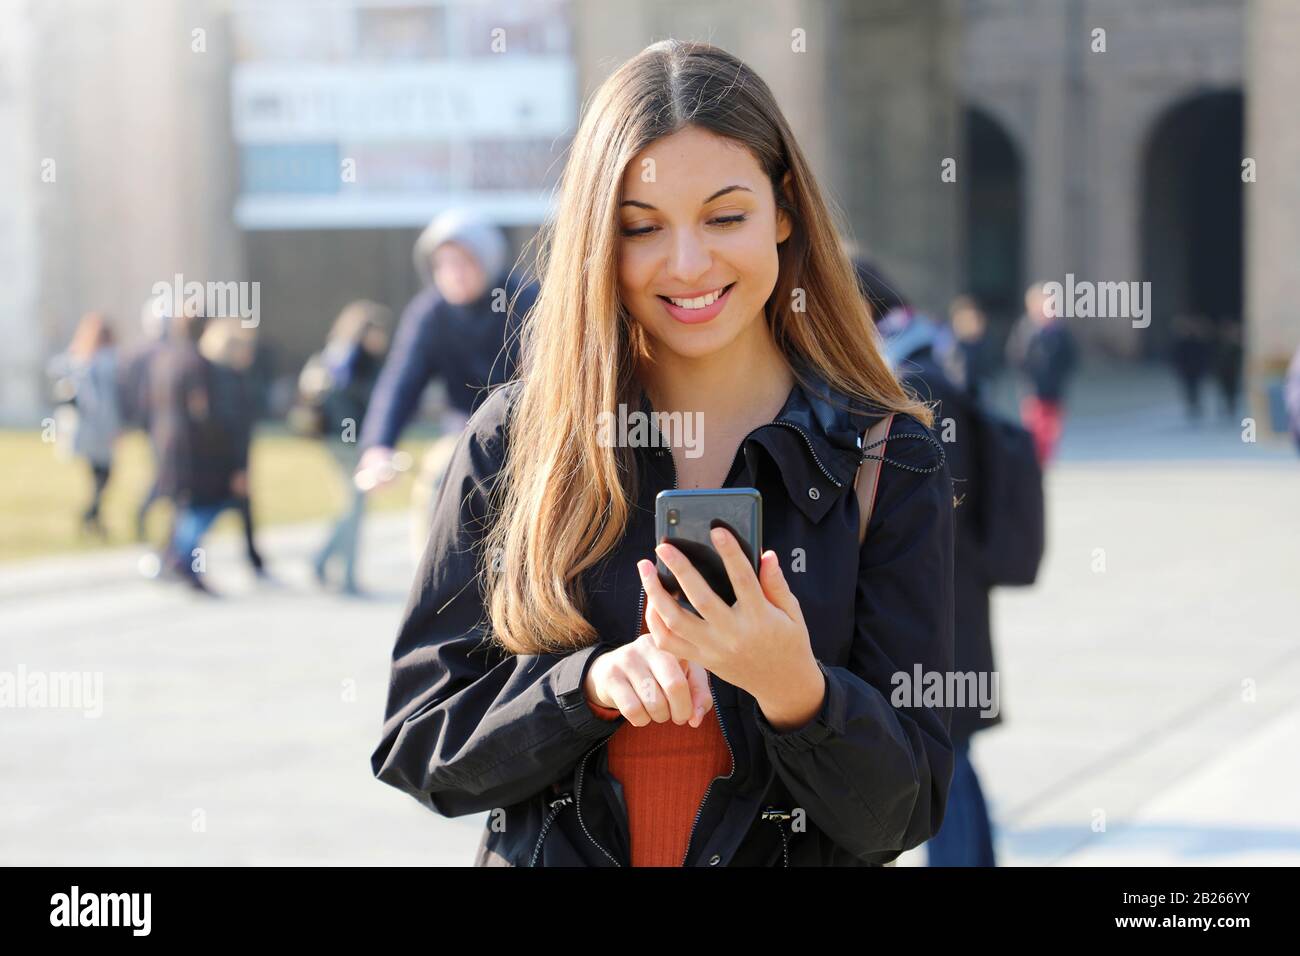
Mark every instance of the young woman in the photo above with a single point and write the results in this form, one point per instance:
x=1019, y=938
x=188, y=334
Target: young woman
x=87, y=371
x=542, y=673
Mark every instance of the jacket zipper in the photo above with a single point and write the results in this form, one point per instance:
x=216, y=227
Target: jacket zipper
x=713, y=694
x=556, y=805
x=707, y=790
x=575, y=798
x=779, y=816
x=577, y=801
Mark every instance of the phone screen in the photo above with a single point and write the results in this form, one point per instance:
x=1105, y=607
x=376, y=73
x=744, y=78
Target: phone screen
x=685, y=518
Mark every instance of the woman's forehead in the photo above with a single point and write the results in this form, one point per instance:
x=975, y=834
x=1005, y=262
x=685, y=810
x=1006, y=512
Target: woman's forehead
x=691, y=164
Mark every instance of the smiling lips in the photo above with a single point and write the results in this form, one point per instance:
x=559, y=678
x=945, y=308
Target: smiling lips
x=698, y=307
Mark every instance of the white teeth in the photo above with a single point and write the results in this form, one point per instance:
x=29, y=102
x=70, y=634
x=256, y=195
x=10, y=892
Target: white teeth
x=697, y=303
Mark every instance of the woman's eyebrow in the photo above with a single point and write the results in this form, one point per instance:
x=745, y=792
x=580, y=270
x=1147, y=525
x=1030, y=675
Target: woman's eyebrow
x=721, y=192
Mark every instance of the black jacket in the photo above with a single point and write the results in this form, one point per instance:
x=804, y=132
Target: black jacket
x=973, y=640
x=1046, y=355
x=470, y=728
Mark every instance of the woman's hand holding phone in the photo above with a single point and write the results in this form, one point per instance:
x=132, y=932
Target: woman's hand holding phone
x=647, y=684
x=760, y=644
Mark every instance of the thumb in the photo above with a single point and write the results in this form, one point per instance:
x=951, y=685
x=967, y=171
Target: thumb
x=775, y=587
x=697, y=678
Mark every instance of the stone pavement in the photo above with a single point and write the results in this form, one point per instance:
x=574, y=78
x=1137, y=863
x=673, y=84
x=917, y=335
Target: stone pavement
x=1150, y=681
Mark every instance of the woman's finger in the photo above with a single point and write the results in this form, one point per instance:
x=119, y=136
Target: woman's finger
x=626, y=699
x=678, y=620
x=739, y=571
x=702, y=597
x=639, y=675
x=776, y=587
x=701, y=697
x=666, y=640
x=670, y=674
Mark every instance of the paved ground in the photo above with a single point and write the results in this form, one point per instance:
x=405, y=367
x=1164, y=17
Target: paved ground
x=1159, y=697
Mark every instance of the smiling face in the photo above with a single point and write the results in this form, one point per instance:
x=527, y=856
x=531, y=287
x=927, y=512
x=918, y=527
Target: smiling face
x=698, y=249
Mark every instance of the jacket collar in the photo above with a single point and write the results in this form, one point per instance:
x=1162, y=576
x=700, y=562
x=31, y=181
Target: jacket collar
x=813, y=442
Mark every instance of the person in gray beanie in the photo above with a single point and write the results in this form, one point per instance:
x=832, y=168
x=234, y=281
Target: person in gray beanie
x=461, y=329
x=483, y=241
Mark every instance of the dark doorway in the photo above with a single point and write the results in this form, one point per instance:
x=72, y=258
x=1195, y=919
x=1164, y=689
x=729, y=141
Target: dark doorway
x=994, y=220
x=1192, y=225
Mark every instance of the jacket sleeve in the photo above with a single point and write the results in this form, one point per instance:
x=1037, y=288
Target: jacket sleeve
x=412, y=362
x=470, y=727
x=874, y=776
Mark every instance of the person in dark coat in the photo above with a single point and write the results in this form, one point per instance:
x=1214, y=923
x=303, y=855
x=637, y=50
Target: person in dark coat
x=912, y=345
x=461, y=329
x=135, y=396
x=970, y=361
x=1227, y=363
x=1190, y=353
x=229, y=351
x=1043, y=350
x=201, y=423
x=178, y=405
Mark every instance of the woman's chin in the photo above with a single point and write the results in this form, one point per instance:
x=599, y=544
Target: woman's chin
x=698, y=343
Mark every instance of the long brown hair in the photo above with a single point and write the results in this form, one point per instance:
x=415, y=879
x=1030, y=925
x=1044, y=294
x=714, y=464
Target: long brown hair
x=562, y=507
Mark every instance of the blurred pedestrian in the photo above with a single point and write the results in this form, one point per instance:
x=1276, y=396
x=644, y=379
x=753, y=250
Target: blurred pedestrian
x=1043, y=350
x=970, y=362
x=179, y=409
x=462, y=329
x=1227, y=363
x=334, y=391
x=1192, y=355
x=87, y=372
x=912, y=347
x=1291, y=393
x=228, y=350
x=134, y=394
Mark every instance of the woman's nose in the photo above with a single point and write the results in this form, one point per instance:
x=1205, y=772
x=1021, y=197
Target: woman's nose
x=689, y=259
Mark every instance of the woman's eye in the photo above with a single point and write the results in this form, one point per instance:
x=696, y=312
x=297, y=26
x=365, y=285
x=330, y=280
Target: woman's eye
x=729, y=220
x=634, y=231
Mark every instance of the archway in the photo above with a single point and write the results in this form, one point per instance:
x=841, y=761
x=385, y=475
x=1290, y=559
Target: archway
x=1192, y=226
x=994, y=221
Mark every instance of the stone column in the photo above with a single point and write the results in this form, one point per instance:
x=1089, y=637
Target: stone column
x=22, y=358
x=1272, y=204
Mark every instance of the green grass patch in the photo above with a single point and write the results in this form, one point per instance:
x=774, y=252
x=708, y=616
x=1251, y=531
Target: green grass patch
x=43, y=496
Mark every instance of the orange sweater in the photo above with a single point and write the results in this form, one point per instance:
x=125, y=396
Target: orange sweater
x=665, y=770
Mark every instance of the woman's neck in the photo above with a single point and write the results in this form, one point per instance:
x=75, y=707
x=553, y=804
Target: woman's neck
x=739, y=387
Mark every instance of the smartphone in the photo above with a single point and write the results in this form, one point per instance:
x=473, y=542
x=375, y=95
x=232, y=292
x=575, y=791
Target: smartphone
x=685, y=517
